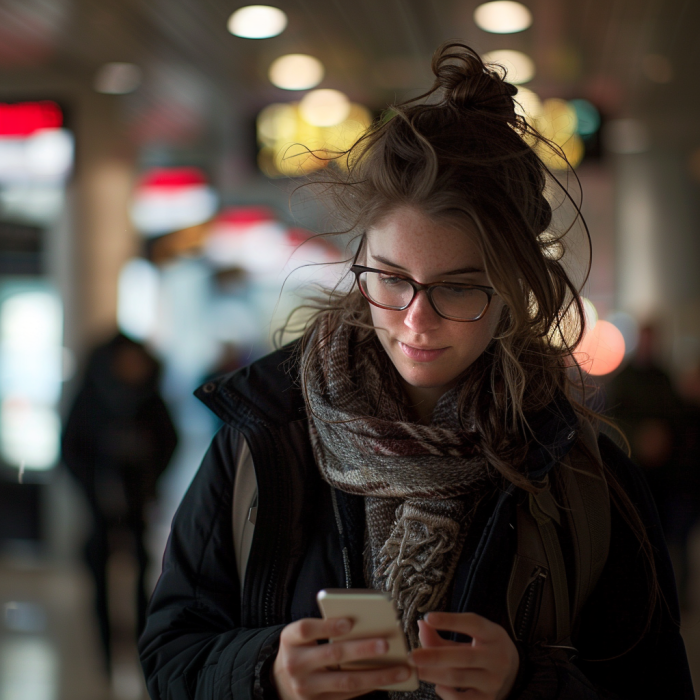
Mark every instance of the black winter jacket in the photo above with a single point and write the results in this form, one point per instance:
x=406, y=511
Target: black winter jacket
x=206, y=639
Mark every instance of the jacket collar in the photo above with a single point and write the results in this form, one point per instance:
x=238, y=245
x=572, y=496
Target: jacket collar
x=268, y=391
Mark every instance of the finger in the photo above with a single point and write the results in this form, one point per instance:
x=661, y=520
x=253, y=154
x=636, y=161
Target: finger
x=470, y=624
x=430, y=638
x=351, y=682
x=310, y=630
x=338, y=653
x=462, y=656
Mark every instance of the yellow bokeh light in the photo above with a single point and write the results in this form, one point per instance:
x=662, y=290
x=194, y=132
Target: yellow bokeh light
x=573, y=149
x=325, y=107
x=291, y=146
x=277, y=122
x=557, y=121
x=528, y=104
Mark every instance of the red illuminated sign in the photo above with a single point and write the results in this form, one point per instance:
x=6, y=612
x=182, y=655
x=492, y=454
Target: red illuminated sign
x=173, y=178
x=24, y=118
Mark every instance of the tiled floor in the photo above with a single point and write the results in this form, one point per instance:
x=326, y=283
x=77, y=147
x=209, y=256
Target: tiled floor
x=49, y=643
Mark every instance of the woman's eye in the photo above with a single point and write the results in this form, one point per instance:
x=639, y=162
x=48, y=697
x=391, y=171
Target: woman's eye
x=388, y=280
x=457, y=291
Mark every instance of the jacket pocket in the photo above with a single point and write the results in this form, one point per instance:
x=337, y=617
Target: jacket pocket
x=525, y=591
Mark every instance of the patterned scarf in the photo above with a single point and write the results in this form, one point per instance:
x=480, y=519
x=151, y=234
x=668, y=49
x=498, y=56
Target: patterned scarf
x=420, y=482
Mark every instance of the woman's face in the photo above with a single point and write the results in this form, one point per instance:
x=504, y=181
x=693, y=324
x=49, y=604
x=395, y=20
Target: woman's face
x=428, y=351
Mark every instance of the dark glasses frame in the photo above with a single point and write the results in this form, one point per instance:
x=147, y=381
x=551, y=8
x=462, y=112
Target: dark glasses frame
x=357, y=270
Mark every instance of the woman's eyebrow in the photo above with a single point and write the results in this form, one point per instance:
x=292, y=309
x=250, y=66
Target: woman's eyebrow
x=462, y=271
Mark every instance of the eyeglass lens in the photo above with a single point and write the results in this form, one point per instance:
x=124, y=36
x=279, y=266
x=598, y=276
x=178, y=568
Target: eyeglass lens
x=456, y=302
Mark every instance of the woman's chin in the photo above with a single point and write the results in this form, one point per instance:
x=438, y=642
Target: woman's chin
x=425, y=377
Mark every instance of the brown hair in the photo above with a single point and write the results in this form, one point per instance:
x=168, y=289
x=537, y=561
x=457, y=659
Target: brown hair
x=461, y=154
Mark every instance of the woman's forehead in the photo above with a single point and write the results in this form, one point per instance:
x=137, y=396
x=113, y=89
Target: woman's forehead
x=410, y=239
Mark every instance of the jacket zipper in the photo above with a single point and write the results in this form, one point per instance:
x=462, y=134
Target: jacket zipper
x=346, y=555
x=532, y=594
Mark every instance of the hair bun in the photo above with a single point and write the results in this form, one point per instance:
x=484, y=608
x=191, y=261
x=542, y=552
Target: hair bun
x=466, y=81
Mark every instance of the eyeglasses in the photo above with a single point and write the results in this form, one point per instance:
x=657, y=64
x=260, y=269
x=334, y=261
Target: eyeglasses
x=455, y=302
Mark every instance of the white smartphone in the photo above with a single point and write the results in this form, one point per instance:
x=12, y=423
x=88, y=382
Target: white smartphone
x=373, y=615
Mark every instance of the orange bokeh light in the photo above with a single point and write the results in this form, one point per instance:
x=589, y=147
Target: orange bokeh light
x=602, y=349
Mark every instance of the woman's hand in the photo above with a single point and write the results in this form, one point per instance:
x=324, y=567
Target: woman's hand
x=304, y=669
x=485, y=669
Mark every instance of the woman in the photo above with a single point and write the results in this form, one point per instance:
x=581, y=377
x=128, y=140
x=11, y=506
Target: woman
x=397, y=445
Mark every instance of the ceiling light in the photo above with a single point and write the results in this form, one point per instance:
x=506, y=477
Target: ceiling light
x=257, y=22
x=502, y=17
x=520, y=66
x=296, y=71
x=117, y=78
x=324, y=107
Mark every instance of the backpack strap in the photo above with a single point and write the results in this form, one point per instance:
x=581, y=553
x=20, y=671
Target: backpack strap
x=585, y=491
x=545, y=512
x=542, y=604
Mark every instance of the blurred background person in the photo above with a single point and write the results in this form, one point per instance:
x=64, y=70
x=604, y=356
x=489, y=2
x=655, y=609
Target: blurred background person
x=662, y=427
x=643, y=401
x=118, y=440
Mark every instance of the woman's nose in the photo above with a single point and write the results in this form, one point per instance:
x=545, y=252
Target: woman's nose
x=420, y=315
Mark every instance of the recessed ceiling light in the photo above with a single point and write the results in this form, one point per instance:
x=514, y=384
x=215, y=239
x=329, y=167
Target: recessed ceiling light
x=296, y=71
x=324, y=107
x=257, y=22
x=520, y=66
x=117, y=78
x=502, y=17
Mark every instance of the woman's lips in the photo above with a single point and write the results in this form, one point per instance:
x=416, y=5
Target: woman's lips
x=419, y=354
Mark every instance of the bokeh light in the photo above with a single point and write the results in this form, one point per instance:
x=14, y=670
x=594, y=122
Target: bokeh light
x=324, y=107
x=558, y=123
x=502, y=17
x=602, y=349
x=170, y=199
x=590, y=312
x=291, y=146
x=528, y=104
x=587, y=117
x=520, y=67
x=296, y=71
x=257, y=22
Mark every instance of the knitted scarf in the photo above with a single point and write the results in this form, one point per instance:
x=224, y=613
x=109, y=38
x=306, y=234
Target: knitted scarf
x=420, y=482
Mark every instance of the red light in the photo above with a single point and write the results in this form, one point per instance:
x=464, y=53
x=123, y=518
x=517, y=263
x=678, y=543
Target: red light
x=602, y=349
x=24, y=118
x=173, y=178
x=245, y=216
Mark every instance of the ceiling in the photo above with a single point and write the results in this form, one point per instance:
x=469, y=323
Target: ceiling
x=375, y=50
